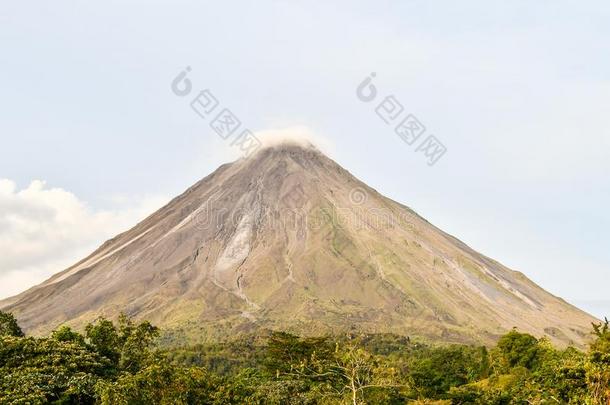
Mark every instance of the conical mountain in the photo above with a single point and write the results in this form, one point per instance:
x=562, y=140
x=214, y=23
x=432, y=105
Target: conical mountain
x=287, y=239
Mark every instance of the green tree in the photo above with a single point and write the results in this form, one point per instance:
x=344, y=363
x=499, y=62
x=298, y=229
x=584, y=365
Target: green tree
x=518, y=350
x=284, y=350
x=137, y=341
x=159, y=383
x=104, y=337
x=127, y=346
x=597, y=366
x=9, y=325
x=434, y=371
x=66, y=334
x=601, y=331
x=46, y=370
x=349, y=371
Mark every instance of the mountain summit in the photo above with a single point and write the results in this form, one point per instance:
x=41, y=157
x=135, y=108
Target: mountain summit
x=288, y=239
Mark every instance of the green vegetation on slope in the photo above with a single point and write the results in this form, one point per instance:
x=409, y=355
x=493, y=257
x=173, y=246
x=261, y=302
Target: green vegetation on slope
x=122, y=363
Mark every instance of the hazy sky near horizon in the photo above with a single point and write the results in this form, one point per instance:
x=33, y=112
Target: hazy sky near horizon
x=93, y=139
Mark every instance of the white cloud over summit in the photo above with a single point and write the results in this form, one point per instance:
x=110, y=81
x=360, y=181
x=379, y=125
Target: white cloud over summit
x=299, y=135
x=44, y=230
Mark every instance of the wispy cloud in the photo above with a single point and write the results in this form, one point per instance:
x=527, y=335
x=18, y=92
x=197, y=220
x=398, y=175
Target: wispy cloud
x=44, y=230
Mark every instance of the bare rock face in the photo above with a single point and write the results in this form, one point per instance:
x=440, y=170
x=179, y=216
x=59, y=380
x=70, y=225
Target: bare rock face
x=287, y=239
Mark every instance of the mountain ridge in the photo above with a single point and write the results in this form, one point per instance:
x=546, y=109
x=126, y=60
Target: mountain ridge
x=288, y=239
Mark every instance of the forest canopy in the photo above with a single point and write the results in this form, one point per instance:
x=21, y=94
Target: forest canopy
x=123, y=362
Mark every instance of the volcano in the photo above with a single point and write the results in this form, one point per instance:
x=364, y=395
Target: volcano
x=289, y=240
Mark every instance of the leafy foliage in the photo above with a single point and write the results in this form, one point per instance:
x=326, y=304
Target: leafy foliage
x=9, y=326
x=122, y=363
x=518, y=350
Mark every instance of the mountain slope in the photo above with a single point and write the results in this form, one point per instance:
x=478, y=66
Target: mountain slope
x=288, y=239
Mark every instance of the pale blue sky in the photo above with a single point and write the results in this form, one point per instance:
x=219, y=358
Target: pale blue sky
x=518, y=92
